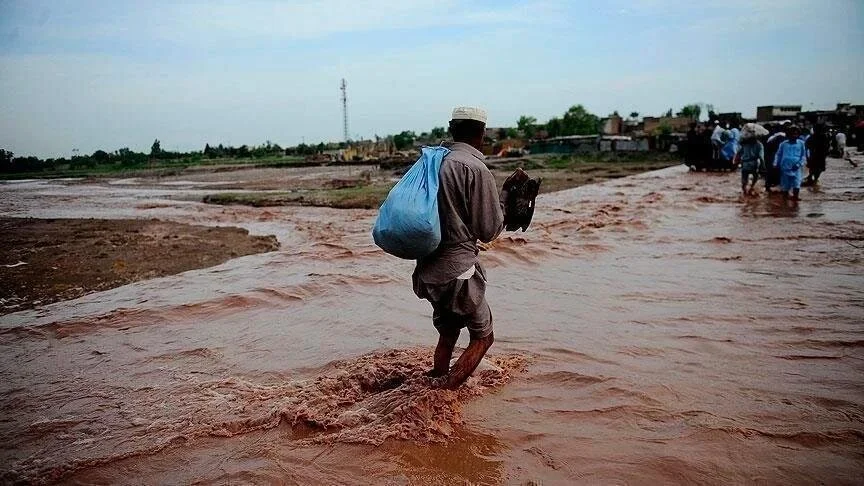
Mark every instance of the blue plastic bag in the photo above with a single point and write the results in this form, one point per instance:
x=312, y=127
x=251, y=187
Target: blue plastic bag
x=408, y=225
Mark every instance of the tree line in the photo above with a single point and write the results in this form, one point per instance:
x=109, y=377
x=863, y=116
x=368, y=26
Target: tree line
x=130, y=159
x=575, y=121
x=579, y=121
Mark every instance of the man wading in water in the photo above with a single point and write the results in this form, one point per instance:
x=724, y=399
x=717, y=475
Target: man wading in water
x=451, y=278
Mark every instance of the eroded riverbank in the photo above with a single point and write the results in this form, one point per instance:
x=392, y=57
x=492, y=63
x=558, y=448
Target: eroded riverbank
x=50, y=260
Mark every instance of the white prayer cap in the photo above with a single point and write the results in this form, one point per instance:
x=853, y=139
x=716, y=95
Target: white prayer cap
x=469, y=113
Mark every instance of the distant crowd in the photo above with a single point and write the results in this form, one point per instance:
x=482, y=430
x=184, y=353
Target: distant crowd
x=777, y=153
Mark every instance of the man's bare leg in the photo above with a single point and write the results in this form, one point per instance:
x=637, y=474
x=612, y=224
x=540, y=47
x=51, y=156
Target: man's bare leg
x=443, y=353
x=468, y=362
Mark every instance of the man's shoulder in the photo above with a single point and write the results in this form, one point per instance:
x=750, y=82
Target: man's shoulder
x=465, y=160
x=470, y=159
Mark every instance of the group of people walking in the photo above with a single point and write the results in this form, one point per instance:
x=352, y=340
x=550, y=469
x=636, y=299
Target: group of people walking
x=779, y=154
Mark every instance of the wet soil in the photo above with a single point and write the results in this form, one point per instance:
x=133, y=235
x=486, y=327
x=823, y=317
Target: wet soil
x=48, y=260
x=353, y=195
x=559, y=174
x=366, y=187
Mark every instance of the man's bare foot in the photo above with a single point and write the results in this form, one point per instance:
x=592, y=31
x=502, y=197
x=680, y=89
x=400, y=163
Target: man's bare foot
x=433, y=373
x=468, y=361
x=443, y=352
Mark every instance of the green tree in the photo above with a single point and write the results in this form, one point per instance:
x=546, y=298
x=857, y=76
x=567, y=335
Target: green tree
x=578, y=121
x=512, y=133
x=664, y=129
x=554, y=127
x=693, y=110
x=668, y=113
x=527, y=125
x=156, y=148
x=6, y=157
x=100, y=157
x=438, y=133
x=129, y=158
x=404, y=140
x=634, y=114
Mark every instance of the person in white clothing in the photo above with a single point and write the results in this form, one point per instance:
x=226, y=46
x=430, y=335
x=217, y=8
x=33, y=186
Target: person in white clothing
x=840, y=140
x=717, y=139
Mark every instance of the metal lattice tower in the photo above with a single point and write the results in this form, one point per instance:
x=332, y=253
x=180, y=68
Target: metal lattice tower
x=344, y=88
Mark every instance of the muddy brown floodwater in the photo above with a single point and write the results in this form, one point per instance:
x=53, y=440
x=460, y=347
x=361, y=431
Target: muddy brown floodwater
x=649, y=330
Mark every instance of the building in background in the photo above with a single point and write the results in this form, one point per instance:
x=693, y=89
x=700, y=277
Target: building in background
x=612, y=125
x=777, y=112
x=842, y=117
x=652, y=125
x=732, y=118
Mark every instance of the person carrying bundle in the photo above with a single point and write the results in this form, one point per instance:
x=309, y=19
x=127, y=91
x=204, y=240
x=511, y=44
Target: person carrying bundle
x=751, y=157
x=436, y=214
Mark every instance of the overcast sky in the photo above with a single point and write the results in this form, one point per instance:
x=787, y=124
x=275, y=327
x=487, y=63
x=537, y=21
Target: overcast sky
x=92, y=74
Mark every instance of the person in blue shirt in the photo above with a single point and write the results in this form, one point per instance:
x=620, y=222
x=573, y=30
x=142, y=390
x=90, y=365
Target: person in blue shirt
x=790, y=159
x=730, y=148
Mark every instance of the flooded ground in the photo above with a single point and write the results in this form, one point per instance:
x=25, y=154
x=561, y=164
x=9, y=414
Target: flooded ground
x=653, y=329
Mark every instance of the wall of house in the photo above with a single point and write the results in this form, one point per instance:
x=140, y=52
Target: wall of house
x=612, y=125
x=677, y=123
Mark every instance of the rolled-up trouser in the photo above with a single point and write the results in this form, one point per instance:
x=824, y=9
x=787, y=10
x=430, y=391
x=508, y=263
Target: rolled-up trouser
x=790, y=180
x=746, y=173
x=459, y=303
x=717, y=146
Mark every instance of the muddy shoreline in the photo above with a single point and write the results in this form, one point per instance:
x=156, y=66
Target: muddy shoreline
x=49, y=260
x=366, y=187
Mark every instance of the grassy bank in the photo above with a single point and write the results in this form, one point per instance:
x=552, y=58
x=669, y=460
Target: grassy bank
x=369, y=188
x=362, y=196
x=565, y=172
x=162, y=168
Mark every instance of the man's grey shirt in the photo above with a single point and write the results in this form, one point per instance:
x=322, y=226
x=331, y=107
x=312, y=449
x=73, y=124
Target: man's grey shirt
x=470, y=210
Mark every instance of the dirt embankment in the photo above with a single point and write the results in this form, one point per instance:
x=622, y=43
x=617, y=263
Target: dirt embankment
x=560, y=173
x=48, y=260
x=368, y=188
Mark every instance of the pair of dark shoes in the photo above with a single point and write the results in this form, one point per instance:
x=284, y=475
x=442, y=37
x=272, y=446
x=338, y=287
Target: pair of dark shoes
x=519, y=206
